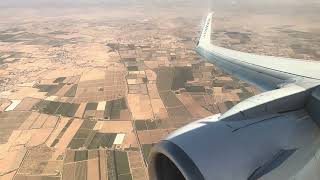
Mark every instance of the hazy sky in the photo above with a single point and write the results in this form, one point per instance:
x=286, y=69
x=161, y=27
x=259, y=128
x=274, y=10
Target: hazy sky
x=288, y=7
x=29, y=3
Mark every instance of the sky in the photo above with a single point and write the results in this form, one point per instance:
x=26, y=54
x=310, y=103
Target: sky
x=68, y=3
x=291, y=7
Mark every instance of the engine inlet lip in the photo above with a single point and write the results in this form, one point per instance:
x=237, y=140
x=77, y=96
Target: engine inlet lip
x=175, y=154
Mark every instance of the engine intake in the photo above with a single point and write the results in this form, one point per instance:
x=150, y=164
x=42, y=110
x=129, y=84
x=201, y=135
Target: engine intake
x=170, y=162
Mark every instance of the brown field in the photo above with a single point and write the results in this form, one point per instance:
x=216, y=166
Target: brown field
x=159, y=110
x=12, y=161
x=153, y=64
x=151, y=75
x=103, y=165
x=4, y=104
x=152, y=136
x=5, y=148
x=80, y=111
x=137, y=88
x=140, y=106
x=23, y=138
x=39, y=136
x=153, y=91
x=114, y=126
x=136, y=163
x=93, y=169
x=10, y=121
x=61, y=124
x=47, y=81
x=125, y=115
x=89, y=113
x=130, y=141
x=24, y=92
x=8, y=176
x=194, y=108
x=29, y=121
x=63, y=90
x=99, y=115
x=93, y=154
x=50, y=122
x=53, y=168
x=101, y=85
x=35, y=160
x=39, y=121
x=81, y=170
x=29, y=137
x=67, y=137
x=69, y=171
x=26, y=104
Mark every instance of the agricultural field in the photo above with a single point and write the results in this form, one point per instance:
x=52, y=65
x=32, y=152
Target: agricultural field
x=86, y=95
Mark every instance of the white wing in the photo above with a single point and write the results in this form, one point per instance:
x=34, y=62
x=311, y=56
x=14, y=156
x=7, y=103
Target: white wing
x=266, y=72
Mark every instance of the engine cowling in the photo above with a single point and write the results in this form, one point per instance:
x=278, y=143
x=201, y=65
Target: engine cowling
x=246, y=149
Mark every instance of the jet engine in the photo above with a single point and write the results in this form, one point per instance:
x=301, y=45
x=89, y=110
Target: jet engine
x=273, y=135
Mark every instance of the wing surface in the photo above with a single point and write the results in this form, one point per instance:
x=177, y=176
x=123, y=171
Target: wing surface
x=266, y=72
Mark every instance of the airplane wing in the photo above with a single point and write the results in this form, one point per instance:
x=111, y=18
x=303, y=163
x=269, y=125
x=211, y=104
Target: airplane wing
x=271, y=136
x=266, y=72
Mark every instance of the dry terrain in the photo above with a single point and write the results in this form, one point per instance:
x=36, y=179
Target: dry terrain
x=85, y=92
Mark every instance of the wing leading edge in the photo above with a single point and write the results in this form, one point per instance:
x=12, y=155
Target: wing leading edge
x=266, y=72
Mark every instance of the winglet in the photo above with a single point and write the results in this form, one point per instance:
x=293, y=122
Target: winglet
x=205, y=37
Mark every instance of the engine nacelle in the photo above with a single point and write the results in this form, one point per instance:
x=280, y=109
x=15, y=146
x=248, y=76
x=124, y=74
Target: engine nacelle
x=245, y=149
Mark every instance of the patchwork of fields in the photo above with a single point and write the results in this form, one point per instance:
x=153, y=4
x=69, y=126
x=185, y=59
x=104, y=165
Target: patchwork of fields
x=85, y=95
